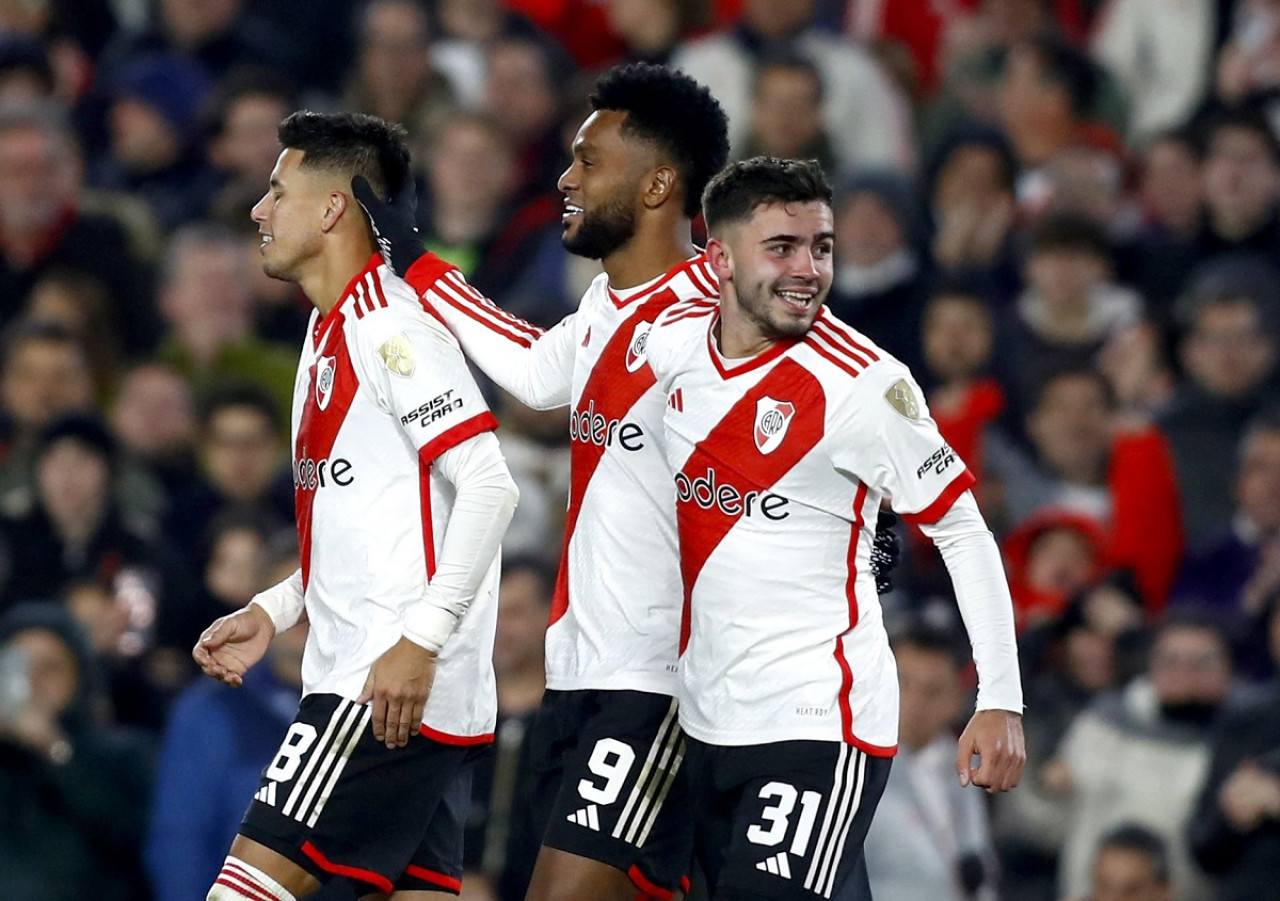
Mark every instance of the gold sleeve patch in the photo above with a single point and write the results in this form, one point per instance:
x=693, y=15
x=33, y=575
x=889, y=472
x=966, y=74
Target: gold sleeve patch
x=903, y=399
x=397, y=354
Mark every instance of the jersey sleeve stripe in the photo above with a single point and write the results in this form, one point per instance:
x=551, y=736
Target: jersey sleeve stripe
x=846, y=335
x=935, y=511
x=698, y=275
x=466, y=289
x=438, y=294
x=832, y=358
x=481, y=422
x=841, y=344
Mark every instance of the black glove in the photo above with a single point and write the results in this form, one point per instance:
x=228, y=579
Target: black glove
x=393, y=223
x=884, y=552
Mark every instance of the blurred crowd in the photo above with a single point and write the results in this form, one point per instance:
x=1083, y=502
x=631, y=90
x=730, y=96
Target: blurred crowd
x=1064, y=215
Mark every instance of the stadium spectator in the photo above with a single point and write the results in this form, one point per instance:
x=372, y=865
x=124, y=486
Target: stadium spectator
x=1228, y=351
x=786, y=112
x=75, y=789
x=930, y=838
x=1132, y=864
x=153, y=416
x=651, y=31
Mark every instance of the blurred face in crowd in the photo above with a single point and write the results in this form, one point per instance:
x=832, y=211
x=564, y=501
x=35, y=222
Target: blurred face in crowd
x=523, y=602
x=35, y=179
x=207, y=290
x=1034, y=109
x=1127, y=874
x=470, y=169
x=1258, y=484
x=1061, y=560
x=973, y=174
x=1226, y=352
x=1241, y=181
x=867, y=231
x=929, y=689
x=142, y=140
x=192, y=23
x=786, y=115
x=248, y=144
x=1064, y=277
x=1010, y=21
x=518, y=91
x=241, y=452
x=958, y=337
x=1189, y=667
x=154, y=413
x=51, y=668
x=233, y=574
x=1071, y=429
x=777, y=18
x=1087, y=181
x=395, y=56
x=43, y=378
x=73, y=481
x=1170, y=186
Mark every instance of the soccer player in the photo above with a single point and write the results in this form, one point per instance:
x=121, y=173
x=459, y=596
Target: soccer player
x=785, y=429
x=607, y=749
x=402, y=498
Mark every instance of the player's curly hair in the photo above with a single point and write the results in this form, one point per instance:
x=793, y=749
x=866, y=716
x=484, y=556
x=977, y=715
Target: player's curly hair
x=674, y=112
x=742, y=186
x=350, y=144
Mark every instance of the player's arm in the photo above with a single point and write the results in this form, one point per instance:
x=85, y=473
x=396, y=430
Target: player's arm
x=534, y=366
x=237, y=641
x=423, y=382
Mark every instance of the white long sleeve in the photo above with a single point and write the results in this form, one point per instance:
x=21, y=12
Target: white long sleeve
x=982, y=592
x=282, y=602
x=533, y=366
x=485, y=498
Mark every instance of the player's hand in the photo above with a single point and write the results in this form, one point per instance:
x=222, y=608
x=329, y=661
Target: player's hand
x=885, y=550
x=394, y=225
x=398, y=684
x=996, y=737
x=233, y=644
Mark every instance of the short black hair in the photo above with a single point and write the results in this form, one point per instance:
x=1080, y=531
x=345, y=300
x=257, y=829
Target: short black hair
x=1244, y=117
x=924, y=635
x=1072, y=69
x=740, y=187
x=1045, y=377
x=1064, y=231
x=34, y=331
x=1140, y=840
x=350, y=144
x=240, y=394
x=674, y=112
x=542, y=570
x=788, y=60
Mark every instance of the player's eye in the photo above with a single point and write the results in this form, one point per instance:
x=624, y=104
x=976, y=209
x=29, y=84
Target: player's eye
x=823, y=250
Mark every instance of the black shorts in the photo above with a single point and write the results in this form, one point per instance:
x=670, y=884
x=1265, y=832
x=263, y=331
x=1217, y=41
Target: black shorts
x=784, y=820
x=608, y=783
x=338, y=802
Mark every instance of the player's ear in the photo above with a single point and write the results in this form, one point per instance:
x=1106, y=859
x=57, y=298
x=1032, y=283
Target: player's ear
x=718, y=257
x=337, y=205
x=660, y=187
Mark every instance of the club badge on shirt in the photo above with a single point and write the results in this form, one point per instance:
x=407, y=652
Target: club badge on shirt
x=397, y=354
x=773, y=418
x=326, y=370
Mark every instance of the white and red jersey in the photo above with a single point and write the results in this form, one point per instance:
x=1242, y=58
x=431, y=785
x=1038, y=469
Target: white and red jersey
x=781, y=462
x=382, y=390
x=616, y=609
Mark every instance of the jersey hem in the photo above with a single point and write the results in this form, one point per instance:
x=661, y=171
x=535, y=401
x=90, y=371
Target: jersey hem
x=641, y=682
x=743, y=739
x=481, y=422
x=448, y=738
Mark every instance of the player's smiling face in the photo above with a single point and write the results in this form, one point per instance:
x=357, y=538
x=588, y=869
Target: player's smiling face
x=600, y=187
x=289, y=217
x=779, y=263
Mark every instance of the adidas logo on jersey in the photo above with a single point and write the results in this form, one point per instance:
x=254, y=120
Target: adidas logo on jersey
x=777, y=865
x=588, y=816
x=676, y=401
x=267, y=794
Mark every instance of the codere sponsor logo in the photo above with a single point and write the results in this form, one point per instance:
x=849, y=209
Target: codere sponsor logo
x=590, y=427
x=309, y=474
x=938, y=461
x=433, y=409
x=707, y=492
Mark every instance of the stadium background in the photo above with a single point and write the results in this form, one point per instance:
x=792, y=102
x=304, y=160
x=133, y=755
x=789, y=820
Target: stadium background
x=1063, y=214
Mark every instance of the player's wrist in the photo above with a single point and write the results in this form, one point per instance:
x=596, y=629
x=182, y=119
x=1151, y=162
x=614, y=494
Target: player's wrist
x=429, y=626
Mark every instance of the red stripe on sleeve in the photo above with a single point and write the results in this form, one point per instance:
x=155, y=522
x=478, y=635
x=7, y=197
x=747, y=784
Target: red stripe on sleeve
x=481, y=422
x=935, y=511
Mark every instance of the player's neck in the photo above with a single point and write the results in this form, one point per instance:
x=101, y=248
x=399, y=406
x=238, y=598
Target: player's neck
x=650, y=254
x=736, y=335
x=327, y=279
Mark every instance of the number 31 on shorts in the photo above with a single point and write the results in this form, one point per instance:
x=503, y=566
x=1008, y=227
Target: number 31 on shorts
x=780, y=798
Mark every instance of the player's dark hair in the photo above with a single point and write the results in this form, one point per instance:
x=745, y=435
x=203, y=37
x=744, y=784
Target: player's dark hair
x=740, y=187
x=350, y=144
x=673, y=112
x=1140, y=840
